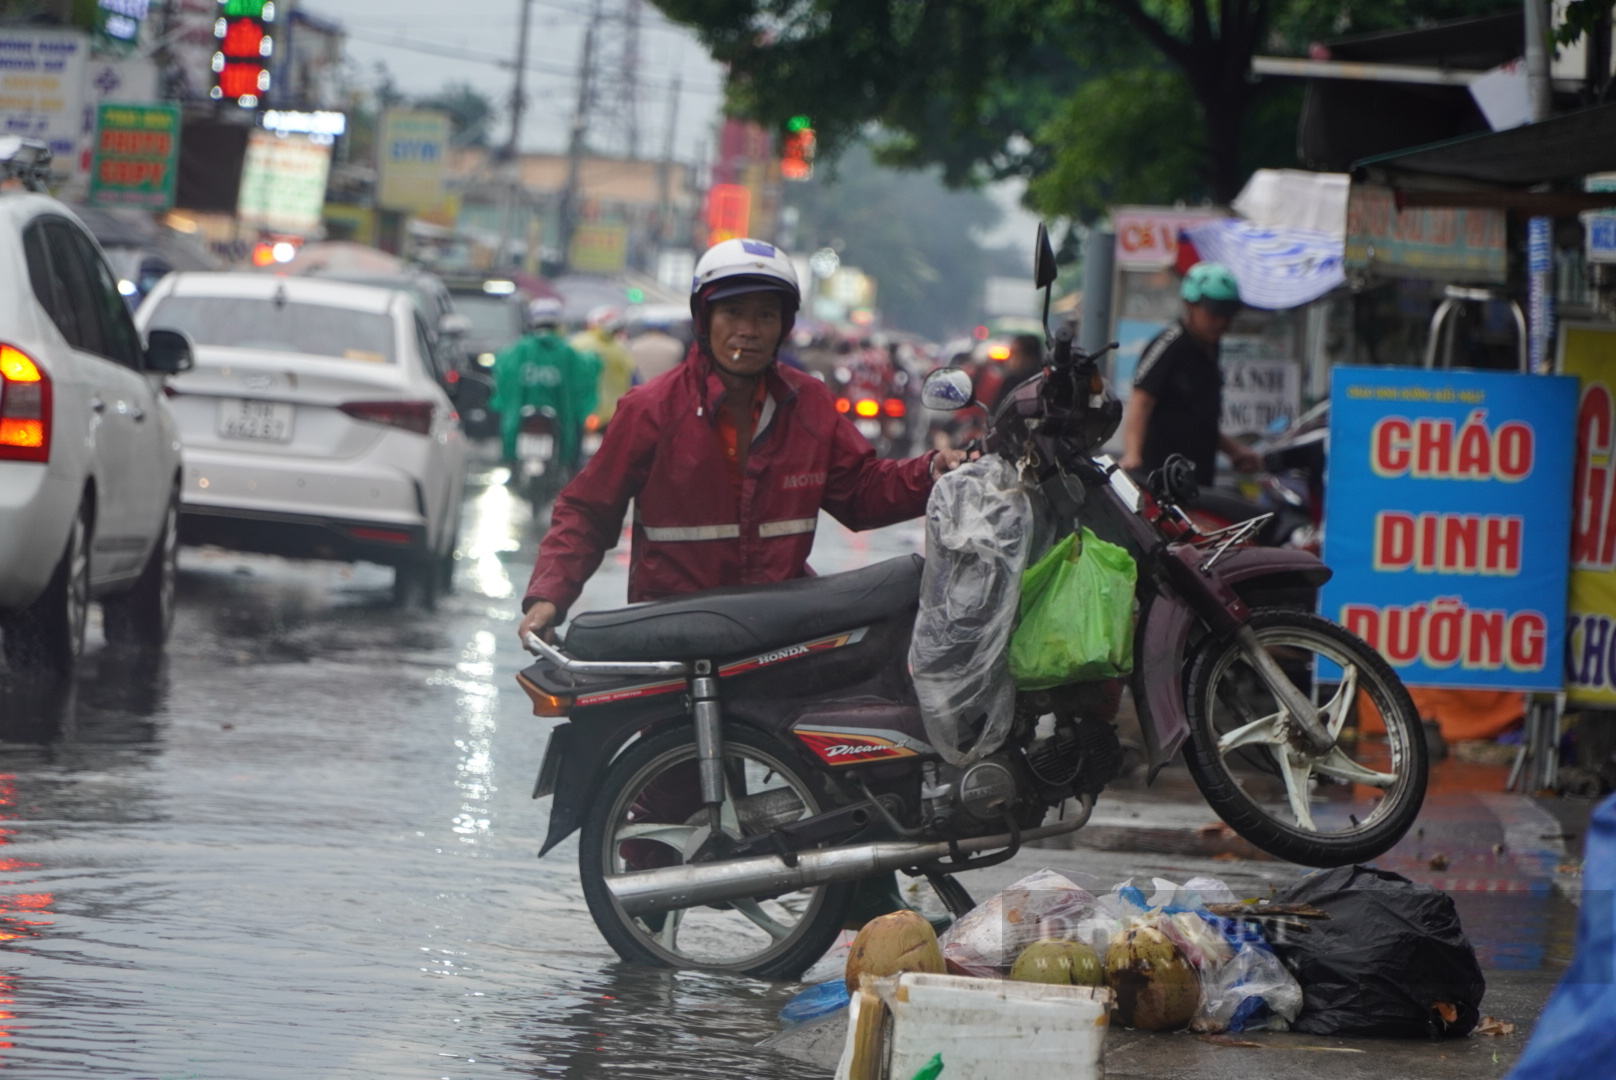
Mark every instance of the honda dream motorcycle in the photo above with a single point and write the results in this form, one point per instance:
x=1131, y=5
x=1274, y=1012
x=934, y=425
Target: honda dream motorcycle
x=738, y=759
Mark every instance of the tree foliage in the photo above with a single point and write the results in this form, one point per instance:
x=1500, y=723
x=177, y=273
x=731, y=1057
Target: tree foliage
x=909, y=232
x=995, y=88
x=471, y=113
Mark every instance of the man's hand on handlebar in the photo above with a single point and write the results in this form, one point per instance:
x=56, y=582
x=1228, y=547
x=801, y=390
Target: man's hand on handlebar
x=946, y=460
x=540, y=619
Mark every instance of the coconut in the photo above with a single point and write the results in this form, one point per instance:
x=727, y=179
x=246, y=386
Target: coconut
x=901, y=941
x=1155, y=985
x=1067, y=963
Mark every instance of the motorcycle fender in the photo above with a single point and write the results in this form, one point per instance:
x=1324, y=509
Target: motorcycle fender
x=1162, y=636
x=579, y=752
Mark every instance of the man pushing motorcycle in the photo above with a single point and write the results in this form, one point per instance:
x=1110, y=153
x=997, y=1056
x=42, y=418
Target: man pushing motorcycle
x=728, y=458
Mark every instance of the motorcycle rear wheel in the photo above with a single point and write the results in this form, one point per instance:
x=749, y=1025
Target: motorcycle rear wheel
x=772, y=937
x=1258, y=773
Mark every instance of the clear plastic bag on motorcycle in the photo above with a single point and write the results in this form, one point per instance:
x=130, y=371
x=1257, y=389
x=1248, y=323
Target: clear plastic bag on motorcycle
x=980, y=532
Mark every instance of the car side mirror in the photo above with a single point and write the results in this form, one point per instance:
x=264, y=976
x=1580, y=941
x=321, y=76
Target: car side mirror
x=947, y=390
x=454, y=324
x=168, y=352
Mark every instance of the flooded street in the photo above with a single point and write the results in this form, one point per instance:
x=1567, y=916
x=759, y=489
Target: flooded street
x=305, y=847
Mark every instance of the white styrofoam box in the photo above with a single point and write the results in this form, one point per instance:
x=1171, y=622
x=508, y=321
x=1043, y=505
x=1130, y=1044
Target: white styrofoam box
x=987, y=1029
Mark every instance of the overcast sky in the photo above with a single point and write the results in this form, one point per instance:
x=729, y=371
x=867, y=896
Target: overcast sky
x=399, y=33
x=405, y=34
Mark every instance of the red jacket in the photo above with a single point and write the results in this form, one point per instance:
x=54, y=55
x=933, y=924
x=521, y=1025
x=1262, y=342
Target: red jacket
x=691, y=532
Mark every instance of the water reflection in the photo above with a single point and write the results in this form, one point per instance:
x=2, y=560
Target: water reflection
x=632, y=1021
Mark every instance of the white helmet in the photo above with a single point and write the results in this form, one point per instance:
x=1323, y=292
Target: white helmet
x=733, y=267
x=544, y=311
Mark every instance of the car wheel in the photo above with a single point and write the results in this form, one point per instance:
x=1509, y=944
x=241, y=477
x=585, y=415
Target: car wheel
x=415, y=584
x=49, y=635
x=143, y=616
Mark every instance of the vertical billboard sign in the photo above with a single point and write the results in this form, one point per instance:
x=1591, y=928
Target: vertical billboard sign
x=42, y=87
x=137, y=151
x=1448, y=519
x=283, y=183
x=413, y=153
x=1589, y=353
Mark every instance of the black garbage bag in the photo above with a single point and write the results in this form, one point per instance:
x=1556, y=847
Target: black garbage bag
x=1391, y=960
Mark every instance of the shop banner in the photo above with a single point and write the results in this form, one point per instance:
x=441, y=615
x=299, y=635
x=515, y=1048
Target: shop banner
x=283, y=183
x=137, y=152
x=414, y=154
x=1448, y=520
x=1589, y=353
x=1440, y=242
x=42, y=87
x=1147, y=236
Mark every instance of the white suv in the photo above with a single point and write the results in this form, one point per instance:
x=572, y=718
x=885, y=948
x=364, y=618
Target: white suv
x=314, y=423
x=89, y=455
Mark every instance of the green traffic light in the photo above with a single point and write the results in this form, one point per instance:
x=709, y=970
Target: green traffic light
x=636, y=296
x=244, y=9
x=799, y=123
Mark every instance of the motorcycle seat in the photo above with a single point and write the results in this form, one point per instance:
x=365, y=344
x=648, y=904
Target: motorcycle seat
x=738, y=620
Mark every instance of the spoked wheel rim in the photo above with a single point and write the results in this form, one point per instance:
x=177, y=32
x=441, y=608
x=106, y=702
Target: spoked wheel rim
x=742, y=934
x=1257, y=744
x=78, y=587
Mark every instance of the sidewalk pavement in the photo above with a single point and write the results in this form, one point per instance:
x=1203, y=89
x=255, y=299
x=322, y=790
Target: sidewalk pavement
x=1510, y=862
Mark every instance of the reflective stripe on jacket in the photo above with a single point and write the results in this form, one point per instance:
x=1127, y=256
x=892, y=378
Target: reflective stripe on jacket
x=692, y=529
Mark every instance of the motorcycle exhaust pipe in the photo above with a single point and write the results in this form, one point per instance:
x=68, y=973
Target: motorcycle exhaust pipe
x=646, y=892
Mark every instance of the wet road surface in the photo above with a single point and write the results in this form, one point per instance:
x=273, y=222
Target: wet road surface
x=303, y=845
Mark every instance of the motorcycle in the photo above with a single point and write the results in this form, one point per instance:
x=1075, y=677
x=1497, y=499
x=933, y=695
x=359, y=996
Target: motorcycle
x=737, y=760
x=538, y=472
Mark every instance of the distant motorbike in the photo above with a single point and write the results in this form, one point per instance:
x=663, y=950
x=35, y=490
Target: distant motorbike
x=738, y=759
x=871, y=391
x=1290, y=489
x=538, y=471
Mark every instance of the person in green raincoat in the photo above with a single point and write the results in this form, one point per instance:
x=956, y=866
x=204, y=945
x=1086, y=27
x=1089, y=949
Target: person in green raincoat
x=543, y=371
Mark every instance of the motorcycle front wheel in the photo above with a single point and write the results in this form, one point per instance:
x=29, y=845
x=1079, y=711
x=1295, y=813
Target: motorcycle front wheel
x=649, y=814
x=1349, y=804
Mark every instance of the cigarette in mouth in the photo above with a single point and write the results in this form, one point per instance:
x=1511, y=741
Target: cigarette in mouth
x=735, y=356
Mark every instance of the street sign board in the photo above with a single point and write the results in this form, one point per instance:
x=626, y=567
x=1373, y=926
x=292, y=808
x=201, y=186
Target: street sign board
x=1147, y=236
x=283, y=183
x=1588, y=351
x=42, y=86
x=1448, y=519
x=1441, y=242
x=414, y=151
x=137, y=151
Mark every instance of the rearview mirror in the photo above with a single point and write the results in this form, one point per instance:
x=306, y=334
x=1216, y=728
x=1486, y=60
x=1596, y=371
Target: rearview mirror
x=168, y=352
x=454, y=324
x=1044, y=270
x=947, y=389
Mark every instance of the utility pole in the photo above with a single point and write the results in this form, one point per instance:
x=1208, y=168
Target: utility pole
x=577, y=143
x=665, y=169
x=629, y=74
x=510, y=162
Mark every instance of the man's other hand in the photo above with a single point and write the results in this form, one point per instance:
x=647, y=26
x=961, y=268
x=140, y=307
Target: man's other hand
x=540, y=619
x=946, y=460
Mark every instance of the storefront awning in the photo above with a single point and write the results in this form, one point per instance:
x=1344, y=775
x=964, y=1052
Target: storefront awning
x=1561, y=148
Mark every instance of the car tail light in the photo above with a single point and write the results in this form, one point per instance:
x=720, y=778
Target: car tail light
x=413, y=416
x=893, y=406
x=25, y=407
x=379, y=536
x=842, y=405
x=868, y=407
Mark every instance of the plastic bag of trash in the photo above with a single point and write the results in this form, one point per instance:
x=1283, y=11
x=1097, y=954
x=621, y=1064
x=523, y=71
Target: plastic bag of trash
x=1392, y=958
x=979, y=529
x=1250, y=988
x=986, y=940
x=1076, y=615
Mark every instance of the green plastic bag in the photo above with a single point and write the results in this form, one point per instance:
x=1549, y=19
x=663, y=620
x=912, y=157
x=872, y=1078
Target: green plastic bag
x=1076, y=615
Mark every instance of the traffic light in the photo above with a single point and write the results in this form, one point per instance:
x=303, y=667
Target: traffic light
x=797, y=151
x=241, y=65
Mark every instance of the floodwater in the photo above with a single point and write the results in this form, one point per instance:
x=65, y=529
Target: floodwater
x=303, y=846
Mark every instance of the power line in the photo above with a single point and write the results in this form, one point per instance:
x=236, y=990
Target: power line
x=456, y=52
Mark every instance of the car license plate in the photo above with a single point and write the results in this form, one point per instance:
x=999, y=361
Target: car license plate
x=535, y=447
x=870, y=429
x=260, y=421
